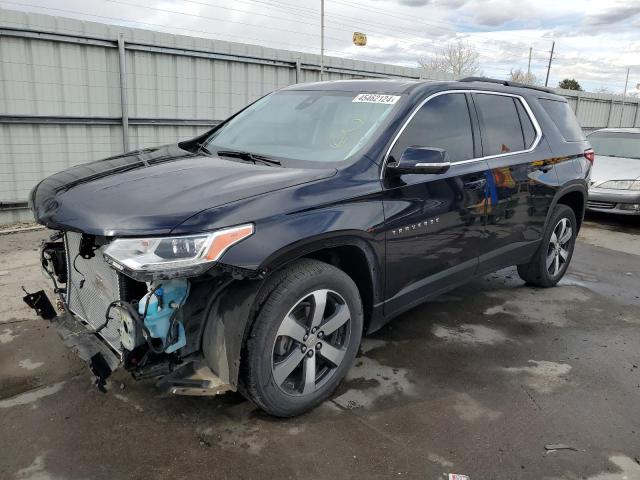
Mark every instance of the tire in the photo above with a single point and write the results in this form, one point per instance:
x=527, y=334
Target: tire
x=539, y=272
x=281, y=339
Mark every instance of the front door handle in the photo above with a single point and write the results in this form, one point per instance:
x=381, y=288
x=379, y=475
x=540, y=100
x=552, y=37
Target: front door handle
x=475, y=184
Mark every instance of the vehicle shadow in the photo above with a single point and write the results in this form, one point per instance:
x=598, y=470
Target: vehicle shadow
x=618, y=223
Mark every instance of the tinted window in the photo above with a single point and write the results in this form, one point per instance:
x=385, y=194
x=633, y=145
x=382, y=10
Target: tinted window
x=563, y=117
x=500, y=124
x=442, y=122
x=528, y=131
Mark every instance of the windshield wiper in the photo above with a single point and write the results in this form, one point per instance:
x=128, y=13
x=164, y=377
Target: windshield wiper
x=251, y=157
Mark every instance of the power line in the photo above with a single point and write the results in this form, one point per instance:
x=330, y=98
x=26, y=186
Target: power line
x=129, y=21
x=268, y=27
x=559, y=59
x=390, y=34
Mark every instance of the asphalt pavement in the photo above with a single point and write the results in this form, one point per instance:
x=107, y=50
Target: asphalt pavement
x=494, y=380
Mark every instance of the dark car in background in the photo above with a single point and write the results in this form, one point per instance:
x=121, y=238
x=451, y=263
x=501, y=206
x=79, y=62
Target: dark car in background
x=255, y=256
x=615, y=181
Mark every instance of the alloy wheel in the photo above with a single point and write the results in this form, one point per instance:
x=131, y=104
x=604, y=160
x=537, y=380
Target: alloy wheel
x=559, y=247
x=311, y=342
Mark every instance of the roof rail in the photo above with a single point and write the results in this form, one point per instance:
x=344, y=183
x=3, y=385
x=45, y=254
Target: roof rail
x=507, y=83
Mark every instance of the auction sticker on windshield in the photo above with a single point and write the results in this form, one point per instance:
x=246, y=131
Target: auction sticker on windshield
x=376, y=98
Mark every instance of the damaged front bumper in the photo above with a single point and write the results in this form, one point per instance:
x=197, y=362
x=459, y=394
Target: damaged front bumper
x=191, y=377
x=113, y=321
x=102, y=361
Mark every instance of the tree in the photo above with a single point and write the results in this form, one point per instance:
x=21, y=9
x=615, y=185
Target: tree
x=457, y=58
x=521, y=76
x=570, y=84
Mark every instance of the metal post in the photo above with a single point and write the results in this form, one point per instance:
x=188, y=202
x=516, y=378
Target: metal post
x=123, y=92
x=637, y=117
x=321, y=39
x=610, y=112
x=529, y=65
x=553, y=46
x=298, y=71
x=624, y=96
x=577, y=112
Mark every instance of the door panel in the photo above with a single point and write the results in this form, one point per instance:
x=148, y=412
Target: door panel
x=433, y=223
x=434, y=231
x=520, y=185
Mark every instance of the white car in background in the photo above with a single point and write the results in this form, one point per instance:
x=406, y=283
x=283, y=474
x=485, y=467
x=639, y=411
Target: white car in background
x=615, y=177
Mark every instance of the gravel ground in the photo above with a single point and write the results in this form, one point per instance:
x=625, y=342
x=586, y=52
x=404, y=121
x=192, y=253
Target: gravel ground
x=477, y=383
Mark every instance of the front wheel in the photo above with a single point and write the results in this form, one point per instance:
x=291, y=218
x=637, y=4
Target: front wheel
x=551, y=261
x=304, y=339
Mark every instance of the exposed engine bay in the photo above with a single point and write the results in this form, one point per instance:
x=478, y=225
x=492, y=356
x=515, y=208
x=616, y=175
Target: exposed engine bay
x=113, y=320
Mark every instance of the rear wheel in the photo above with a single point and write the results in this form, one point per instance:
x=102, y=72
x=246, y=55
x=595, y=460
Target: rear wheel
x=304, y=340
x=551, y=261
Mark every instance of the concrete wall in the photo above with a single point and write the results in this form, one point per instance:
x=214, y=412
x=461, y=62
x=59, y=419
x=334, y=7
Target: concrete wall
x=61, y=84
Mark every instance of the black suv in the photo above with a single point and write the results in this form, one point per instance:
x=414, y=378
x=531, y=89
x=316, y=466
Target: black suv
x=255, y=256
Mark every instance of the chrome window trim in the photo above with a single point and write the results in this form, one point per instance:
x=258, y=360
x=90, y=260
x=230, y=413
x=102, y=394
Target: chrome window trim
x=525, y=104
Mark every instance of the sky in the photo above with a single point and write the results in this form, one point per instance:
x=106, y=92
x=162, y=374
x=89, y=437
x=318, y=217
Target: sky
x=595, y=40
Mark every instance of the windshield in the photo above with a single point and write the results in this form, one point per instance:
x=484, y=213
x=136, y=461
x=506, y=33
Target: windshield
x=616, y=144
x=319, y=126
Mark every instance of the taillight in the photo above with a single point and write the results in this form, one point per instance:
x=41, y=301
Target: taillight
x=590, y=155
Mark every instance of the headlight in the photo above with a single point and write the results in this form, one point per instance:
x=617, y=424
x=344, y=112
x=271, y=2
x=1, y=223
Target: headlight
x=174, y=254
x=621, y=184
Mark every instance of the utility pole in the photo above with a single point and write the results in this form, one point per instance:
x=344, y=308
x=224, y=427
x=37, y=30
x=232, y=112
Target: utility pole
x=529, y=66
x=624, y=97
x=321, y=39
x=553, y=46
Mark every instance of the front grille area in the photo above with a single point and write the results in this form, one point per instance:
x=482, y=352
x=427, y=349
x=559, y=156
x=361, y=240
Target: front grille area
x=90, y=298
x=594, y=204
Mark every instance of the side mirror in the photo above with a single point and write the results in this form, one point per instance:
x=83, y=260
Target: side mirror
x=421, y=160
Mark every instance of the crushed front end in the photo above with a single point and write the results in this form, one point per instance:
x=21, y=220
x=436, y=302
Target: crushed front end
x=129, y=303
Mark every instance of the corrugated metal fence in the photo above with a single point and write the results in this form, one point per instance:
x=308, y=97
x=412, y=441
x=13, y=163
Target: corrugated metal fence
x=74, y=91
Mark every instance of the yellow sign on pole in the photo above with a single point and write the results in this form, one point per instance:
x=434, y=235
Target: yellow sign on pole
x=359, y=39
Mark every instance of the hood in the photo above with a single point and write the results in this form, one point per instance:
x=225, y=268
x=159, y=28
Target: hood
x=149, y=192
x=614, y=168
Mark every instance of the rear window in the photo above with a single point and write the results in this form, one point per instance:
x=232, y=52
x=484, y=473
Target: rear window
x=528, y=130
x=563, y=117
x=500, y=124
x=616, y=144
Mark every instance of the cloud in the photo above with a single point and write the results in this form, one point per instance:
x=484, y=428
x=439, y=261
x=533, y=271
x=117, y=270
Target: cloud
x=414, y=3
x=595, y=40
x=612, y=15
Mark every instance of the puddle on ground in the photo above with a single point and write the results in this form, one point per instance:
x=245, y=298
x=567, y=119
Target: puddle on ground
x=31, y=396
x=369, y=344
x=629, y=469
x=470, y=410
x=443, y=462
x=625, y=469
x=240, y=430
x=36, y=471
x=548, y=306
x=472, y=334
x=7, y=336
x=543, y=376
x=29, y=364
x=374, y=381
x=126, y=400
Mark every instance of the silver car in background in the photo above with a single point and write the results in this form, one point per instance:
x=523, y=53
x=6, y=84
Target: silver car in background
x=615, y=177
